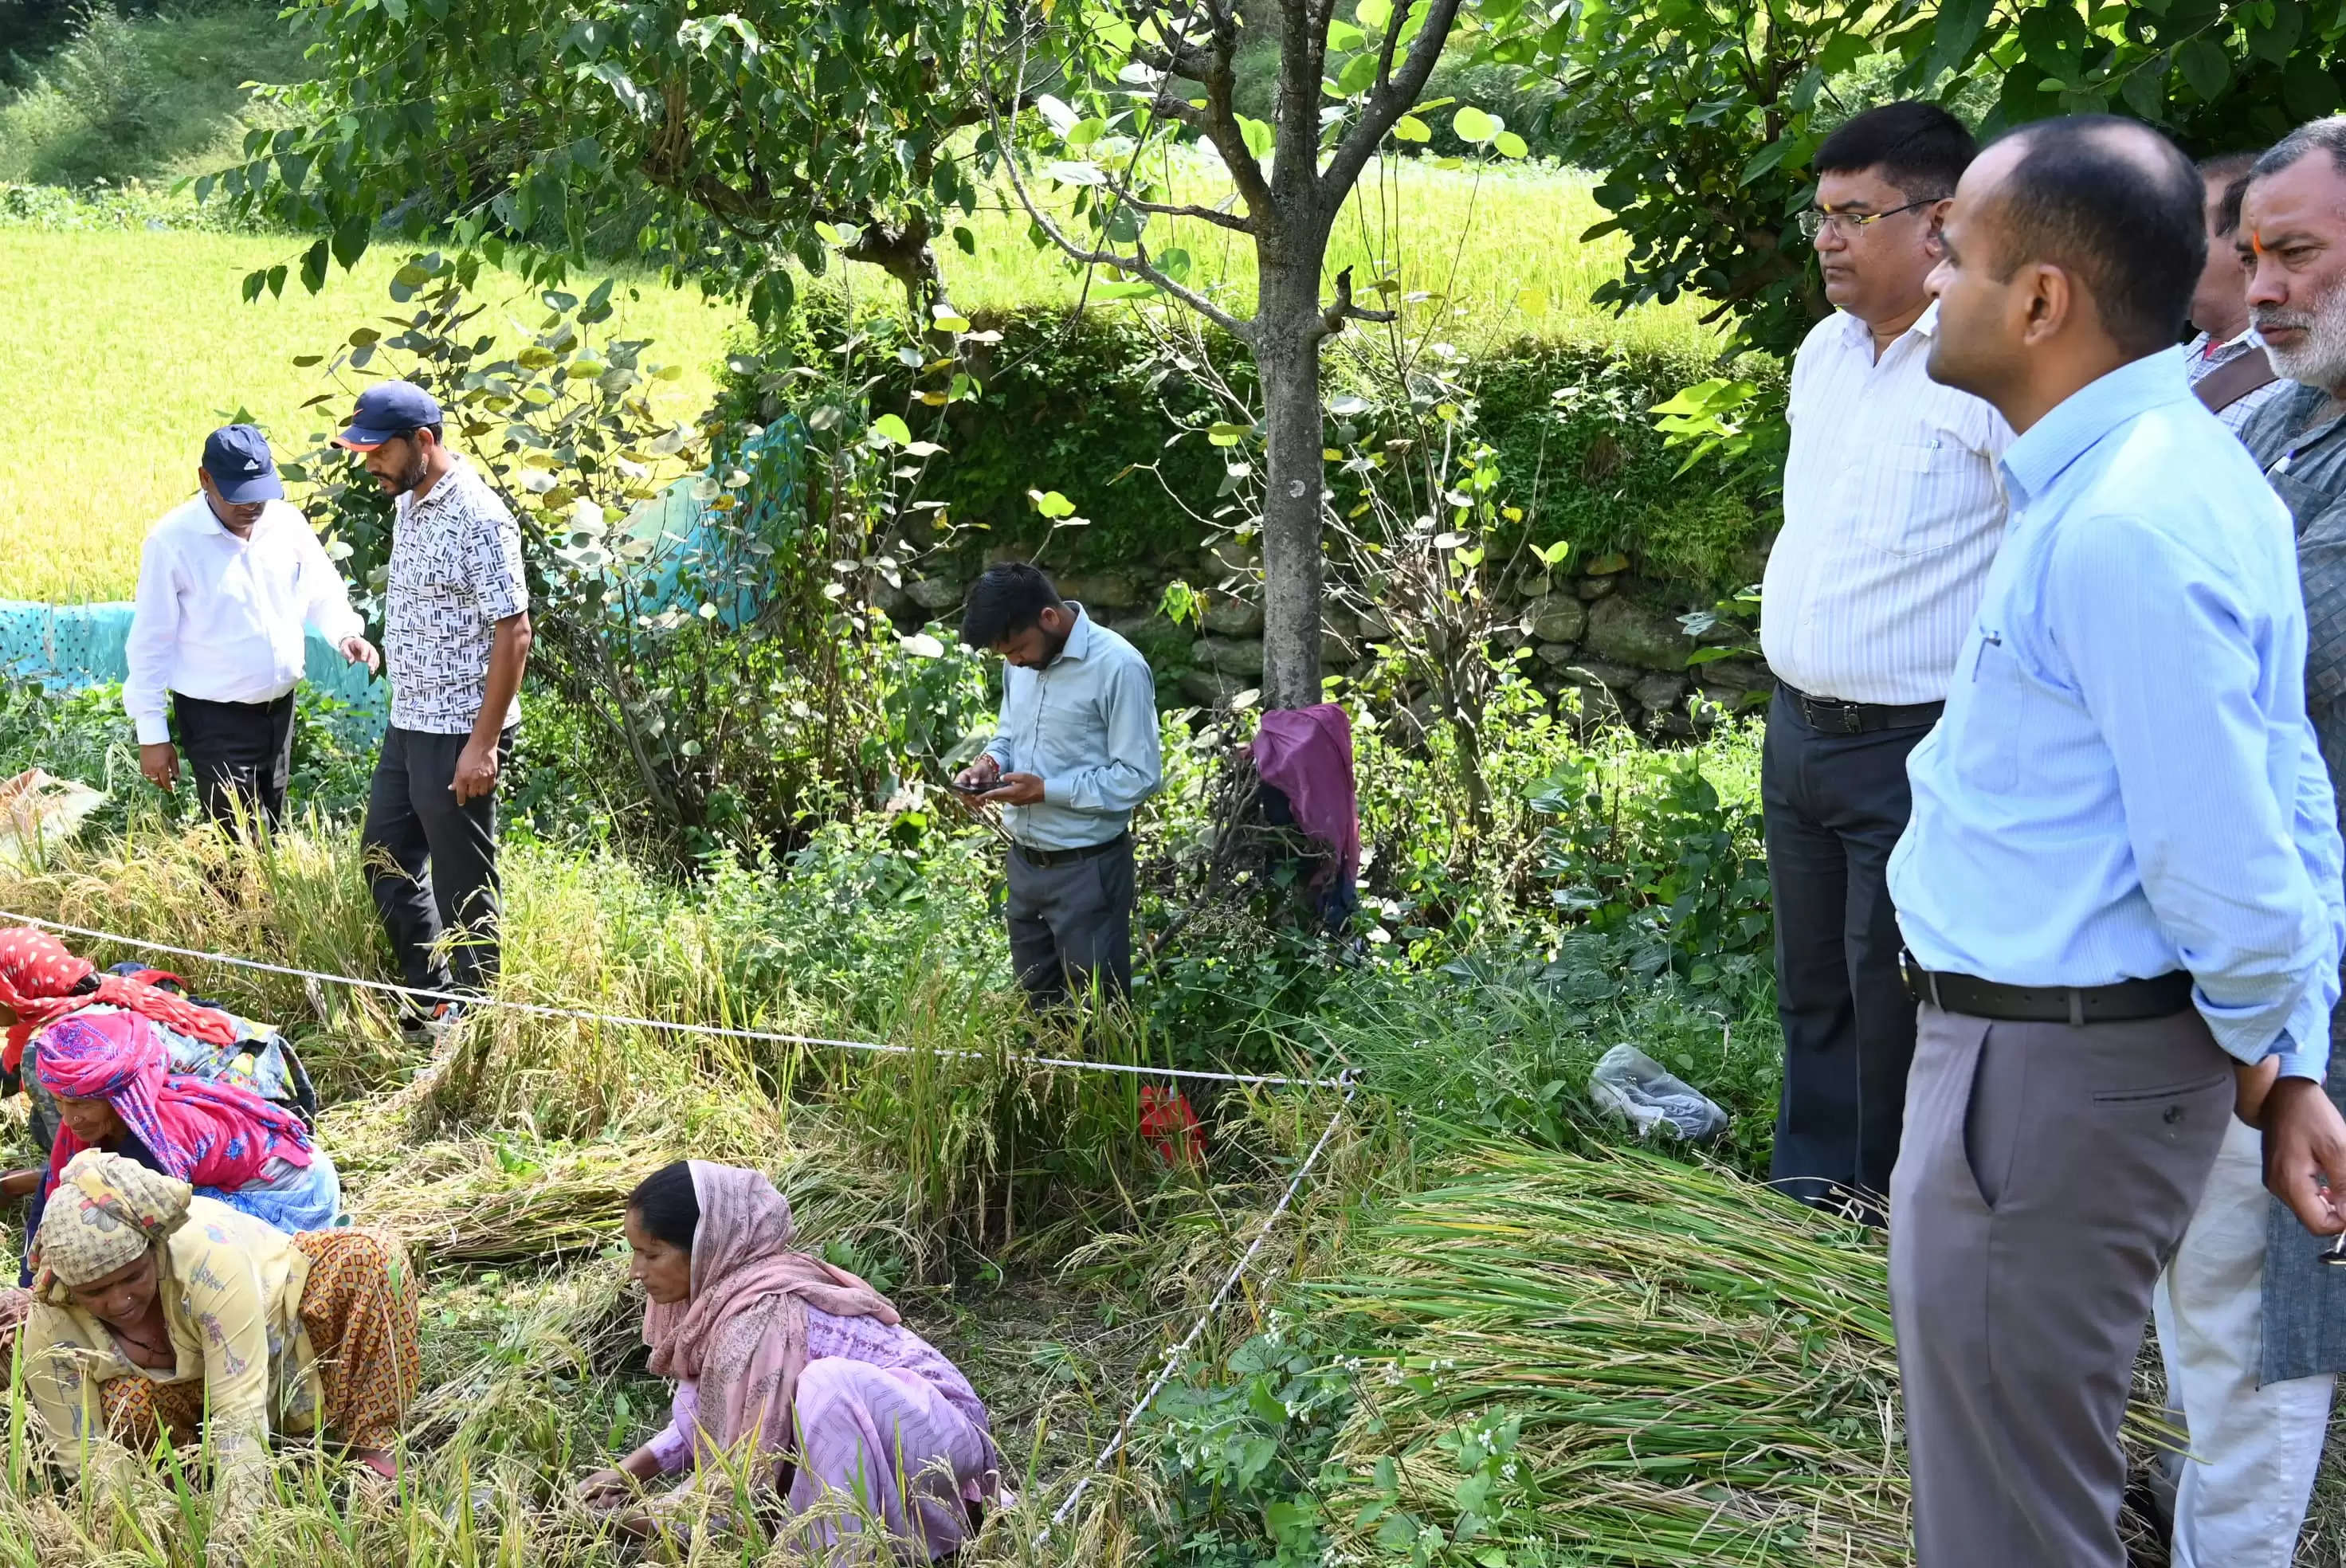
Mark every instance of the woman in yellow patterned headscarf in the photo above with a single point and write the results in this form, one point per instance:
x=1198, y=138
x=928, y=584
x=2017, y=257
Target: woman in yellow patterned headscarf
x=151, y=1306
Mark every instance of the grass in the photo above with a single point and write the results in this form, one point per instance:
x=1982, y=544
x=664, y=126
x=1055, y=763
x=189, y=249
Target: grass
x=162, y=348
x=504, y=1163
x=146, y=96
x=126, y=347
x=1496, y=248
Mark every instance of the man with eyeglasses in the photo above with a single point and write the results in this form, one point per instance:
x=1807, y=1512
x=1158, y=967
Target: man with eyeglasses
x=1892, y=511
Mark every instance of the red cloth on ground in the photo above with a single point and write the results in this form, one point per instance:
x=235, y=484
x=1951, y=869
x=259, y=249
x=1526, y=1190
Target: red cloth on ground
x=38, y=976
x=1306, y=753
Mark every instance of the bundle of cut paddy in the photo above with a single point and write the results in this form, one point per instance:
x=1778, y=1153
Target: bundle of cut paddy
x=1624, y=1361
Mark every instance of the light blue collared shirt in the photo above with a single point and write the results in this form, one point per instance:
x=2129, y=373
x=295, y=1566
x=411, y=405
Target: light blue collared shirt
x=1086, y=725
x=2124, y=782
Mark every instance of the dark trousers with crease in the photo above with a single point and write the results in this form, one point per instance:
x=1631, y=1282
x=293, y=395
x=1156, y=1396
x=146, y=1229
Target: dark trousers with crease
x=2048, y=1173
x=242, y=754
x=431, y=864
x=1071, y=923
x=1834, y=806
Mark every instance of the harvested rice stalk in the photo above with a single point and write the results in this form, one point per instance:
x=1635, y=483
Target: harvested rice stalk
x=1629, y=1359
x=498, y=1197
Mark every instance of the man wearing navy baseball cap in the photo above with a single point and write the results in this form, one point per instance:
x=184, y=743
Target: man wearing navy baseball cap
x=456, y=636
x=227, y=584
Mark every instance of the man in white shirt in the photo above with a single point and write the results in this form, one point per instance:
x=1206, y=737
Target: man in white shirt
x=1892, y=511
x=227, y=584
x=2230, y=373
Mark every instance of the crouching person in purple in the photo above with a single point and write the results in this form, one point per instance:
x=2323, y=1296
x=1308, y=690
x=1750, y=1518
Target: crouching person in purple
x=794, y=1378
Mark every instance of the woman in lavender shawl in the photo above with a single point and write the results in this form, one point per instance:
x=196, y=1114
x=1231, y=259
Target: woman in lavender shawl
x=791, y=1375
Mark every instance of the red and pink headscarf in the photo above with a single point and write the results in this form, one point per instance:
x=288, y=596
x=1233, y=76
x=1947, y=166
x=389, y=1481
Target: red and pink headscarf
x=207, y=1135
x=37, y=977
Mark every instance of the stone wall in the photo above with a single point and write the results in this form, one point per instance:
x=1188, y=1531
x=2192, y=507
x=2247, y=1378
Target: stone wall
x=1599, y=628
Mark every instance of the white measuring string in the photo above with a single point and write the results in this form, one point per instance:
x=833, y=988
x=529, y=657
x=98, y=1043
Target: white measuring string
x=1178, y=1355
x=715, y=1031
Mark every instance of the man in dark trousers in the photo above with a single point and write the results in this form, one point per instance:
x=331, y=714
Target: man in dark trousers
x=1075, y=750
x=2120, y=887
x=229, y=584
x=456, y=636
x=1892, y=511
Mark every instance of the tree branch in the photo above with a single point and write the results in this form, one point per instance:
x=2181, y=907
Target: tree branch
x=1390, y=100
x=1212, y=215
x=1136, y=263
x=1219, y=120
x=1333, y=319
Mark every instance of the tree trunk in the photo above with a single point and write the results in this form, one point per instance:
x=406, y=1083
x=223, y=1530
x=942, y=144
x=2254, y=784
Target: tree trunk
x=1288, y=329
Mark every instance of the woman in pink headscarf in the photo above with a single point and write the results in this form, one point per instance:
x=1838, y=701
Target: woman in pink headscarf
x=793, y=1374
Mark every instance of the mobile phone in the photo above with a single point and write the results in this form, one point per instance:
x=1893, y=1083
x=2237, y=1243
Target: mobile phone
x=958, y=788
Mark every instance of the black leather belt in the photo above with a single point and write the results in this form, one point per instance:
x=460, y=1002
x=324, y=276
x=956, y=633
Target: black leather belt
x=1831, y=715
x=2126, y=1001
x=1036, y=856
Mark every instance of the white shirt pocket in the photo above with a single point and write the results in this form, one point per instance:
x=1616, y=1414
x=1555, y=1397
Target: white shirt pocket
x=1923, y=495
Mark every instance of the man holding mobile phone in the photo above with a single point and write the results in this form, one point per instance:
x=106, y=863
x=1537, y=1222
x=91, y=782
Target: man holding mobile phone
x=1075, y=751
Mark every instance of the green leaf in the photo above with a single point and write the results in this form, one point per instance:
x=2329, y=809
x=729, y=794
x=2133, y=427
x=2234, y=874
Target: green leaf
x=2307, y=89
x=1408, y=128
x=1766, y=158
x=314, y=267
x=1473, y=125
x=965, y=238
x=892, y=430
x=1359, y=74
x=2205, y=67
x=1223, y=434
x=1051, y=503
x=1961, y=22
x=1259, y=138
x=1344, y=37
x=2144, y=91
x=2274, y=42
x=1510, y=144
x=1372, y=14
x=1174, y=263
x=1841, y=52
x=1130, y=290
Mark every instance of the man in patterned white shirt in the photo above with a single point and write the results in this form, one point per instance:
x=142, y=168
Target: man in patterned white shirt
x=456, y=636
x=2227, y=364
x=1893, y=512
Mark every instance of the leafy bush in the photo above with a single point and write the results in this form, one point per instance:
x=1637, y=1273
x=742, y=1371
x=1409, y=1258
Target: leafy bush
x=84, y=736
x=1242, y=1447
x=1092, y=405
x=717, y=683
x=1652, y=854
x=129, y=91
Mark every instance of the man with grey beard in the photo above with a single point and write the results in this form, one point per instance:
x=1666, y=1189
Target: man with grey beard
x=2252, y=1328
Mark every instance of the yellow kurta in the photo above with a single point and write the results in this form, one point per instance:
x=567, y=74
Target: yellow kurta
x=232, y=1290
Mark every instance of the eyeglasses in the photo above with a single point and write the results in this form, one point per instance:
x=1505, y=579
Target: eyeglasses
x=1813, y=219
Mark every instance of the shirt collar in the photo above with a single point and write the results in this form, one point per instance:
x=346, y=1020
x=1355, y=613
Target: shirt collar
x=1861, y=336
x=460, y=473
x=1079, y=635
x=213, y=521
x=2038, y=458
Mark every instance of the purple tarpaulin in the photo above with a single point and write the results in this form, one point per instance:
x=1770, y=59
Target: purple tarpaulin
x=1306, y=753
